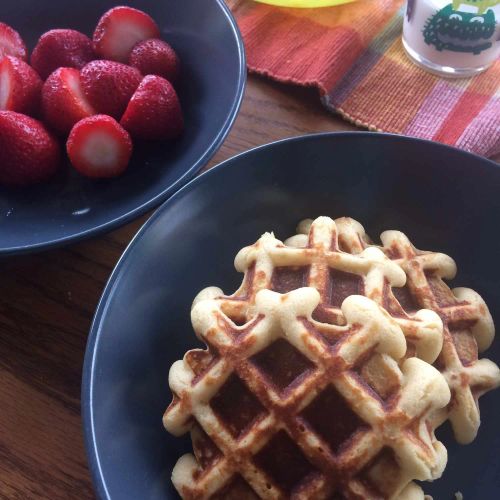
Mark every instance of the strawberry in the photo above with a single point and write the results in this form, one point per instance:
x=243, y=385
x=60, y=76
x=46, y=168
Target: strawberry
x=99, y=147
x=28, y=152
x=155, y=57
x=154, y=112
x=63, y=101
x=119, y=29
x=20, y=86
x=11, y=43
x=109, y=85
x=61, y=48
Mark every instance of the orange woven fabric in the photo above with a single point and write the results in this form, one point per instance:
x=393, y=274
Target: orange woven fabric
x=353, y=54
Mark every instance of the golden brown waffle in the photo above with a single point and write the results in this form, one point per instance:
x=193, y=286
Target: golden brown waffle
x=284, y=406
x=468, y=326
x=323, y=264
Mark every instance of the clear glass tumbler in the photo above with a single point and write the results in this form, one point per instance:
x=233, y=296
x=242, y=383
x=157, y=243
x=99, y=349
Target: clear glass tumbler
x=454, y=39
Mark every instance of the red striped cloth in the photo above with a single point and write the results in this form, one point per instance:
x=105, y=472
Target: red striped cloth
x=353, y=54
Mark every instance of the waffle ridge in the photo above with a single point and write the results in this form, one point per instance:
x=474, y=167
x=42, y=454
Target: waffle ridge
x=468, y=328
x=263, y=430
x=319, y=254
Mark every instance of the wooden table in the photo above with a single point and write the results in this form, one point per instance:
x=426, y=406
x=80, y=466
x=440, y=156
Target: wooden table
x=46, y=306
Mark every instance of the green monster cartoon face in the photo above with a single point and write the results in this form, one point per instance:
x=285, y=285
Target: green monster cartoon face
x=449, y=29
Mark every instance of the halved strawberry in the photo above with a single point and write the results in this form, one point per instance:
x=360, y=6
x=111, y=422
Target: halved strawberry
x=11, y=43
x=63, y=101
x=109, y=86
x=20, y=86
x=119, y=29
x=61, y=48
x=154, y=112
x=28, y=152
x=99, y=147
x=155, y=57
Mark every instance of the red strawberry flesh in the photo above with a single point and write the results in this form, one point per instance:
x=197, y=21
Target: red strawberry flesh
x=119, y=29
x=99, y=147
x=63, y=101
x=20, y=86
x=11, y=43
x=109, y=85
x=28, y=152
x=155, y=57
x=61, y=48
x=154, y=112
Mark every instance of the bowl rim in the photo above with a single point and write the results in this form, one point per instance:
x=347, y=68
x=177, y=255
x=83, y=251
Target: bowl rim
x=152, y=203
x=95, y=331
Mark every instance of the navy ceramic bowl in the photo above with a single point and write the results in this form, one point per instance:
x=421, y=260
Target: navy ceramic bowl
x=443, y=198
x=71, y=207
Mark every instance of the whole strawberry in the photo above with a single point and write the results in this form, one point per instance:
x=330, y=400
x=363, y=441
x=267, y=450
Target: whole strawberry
x=119, y=29
x=11, y=43
x=154, y=112
x=28, y=152
x=61, y=48
x=109, y=85
x=155, y=57
x=63, y=101
x=20, y=86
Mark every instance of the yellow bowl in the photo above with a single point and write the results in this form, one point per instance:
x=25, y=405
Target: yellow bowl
x=305, y=4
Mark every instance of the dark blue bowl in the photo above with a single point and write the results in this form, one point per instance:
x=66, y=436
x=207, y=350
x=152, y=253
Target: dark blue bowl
x=443, y=198
x=69, y=207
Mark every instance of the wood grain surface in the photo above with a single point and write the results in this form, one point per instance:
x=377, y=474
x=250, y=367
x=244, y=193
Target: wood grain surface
x=46, y=306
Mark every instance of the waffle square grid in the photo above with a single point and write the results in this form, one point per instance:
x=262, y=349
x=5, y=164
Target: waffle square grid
x=445, y=327
x=274, y=443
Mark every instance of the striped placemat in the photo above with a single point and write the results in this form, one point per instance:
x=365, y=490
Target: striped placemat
x=353, y=54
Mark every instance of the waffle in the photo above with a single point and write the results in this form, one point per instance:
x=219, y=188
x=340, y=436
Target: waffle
x=467, y=324
x=286, y=406
x=336, y=274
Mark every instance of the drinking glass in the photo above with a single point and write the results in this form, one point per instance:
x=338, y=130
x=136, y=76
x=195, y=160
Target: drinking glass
x=455, y=39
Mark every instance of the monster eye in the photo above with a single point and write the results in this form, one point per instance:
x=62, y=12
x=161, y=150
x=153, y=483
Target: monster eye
x=458, y=17
x=477, y=19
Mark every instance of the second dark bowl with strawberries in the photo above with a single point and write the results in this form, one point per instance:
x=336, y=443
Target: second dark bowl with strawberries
x=106, y=109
